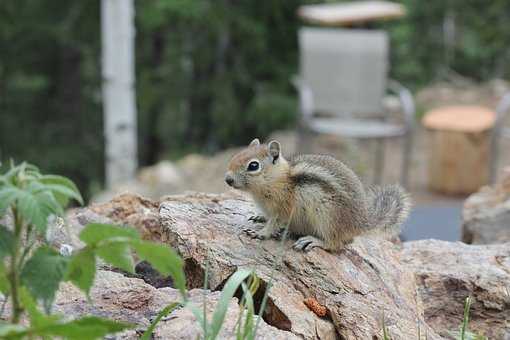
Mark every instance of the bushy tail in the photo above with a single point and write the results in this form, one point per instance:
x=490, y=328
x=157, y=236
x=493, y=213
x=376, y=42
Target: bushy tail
x=389, y=207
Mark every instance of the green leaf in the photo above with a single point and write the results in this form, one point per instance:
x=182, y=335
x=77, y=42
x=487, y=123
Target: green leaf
x=37, y=319
x=14, y=171
x=42, y=274
x=89, y=327
x=248, y=328
x=164, y=259
x=6, y=242
x=35, y=206
x=10, y=331
x=63, y=188
x=5, y=286
x=82, y=269
x=94, y=233
x=30, y=210
x=199, y=315
x=8, y=194
x=118, y=254
x=227, y=293
x=164, y=312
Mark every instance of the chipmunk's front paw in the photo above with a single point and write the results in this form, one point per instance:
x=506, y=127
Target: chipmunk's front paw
x=258, y=219
x=278, y=233
x=258, y=234
x=307, y=243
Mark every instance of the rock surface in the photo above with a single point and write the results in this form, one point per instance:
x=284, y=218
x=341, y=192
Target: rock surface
x=419, y=285
x=359, y=287
x=486, y=214
x=448, y=272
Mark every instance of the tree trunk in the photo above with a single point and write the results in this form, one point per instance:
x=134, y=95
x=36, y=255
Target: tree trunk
x=118, y=90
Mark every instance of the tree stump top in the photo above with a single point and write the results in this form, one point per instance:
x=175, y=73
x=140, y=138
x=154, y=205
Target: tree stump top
x=460, y=118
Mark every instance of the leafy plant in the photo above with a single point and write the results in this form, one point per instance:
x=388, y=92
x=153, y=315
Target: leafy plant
x=31, y=270
x=245, y=326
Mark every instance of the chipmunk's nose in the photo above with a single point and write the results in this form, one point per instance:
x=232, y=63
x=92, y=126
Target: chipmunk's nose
x=229, y=179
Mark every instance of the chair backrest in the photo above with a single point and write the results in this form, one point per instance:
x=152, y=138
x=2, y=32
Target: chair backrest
x=346, y=69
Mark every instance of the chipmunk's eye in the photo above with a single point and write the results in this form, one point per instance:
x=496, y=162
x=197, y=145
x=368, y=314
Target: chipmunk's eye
x=253, y=166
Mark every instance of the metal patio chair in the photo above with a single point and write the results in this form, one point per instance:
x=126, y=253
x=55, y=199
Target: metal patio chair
x=499, y=131
x=341, y=86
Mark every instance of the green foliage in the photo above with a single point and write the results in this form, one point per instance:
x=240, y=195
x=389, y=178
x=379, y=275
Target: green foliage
x=42, y=274
x=118, y=254
x=6, y=242
x=479, y=48
x=95, y=233
x=4, y=282
x=34, y=196
x=86, y=328
x=248, y=329
x=30, y=273
x=244, y=330
x=34, y=275
x=210, y=73
x=228, y=291
x=62, y=188
x=82, y=270
x=163, y=313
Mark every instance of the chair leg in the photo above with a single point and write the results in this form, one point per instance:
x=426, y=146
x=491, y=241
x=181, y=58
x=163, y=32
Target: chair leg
x=406, y=158
x=379, y=160
x=494, y=158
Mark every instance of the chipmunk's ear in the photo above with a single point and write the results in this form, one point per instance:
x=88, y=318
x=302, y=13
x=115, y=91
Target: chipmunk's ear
x=274, y=150
x=255, y=142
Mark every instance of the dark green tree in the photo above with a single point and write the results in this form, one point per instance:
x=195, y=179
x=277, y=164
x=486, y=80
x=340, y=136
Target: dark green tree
x=210, y=73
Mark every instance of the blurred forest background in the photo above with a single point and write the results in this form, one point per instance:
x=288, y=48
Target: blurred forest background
x=210, y=73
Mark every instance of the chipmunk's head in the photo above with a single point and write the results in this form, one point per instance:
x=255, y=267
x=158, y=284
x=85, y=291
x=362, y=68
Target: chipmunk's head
x=256, y=166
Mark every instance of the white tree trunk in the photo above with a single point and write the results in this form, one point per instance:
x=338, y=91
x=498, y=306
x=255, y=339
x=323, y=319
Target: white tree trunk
x=120, y=128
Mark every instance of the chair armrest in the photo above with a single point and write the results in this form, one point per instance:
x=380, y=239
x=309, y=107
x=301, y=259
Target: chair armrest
x=502, y=109
x=498, y=131
x=305, y=97
x=407, y=101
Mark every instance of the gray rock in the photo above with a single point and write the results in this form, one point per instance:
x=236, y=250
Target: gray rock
x=359, y=286
x=448, y=272
x=486, y=215
x=421, y=286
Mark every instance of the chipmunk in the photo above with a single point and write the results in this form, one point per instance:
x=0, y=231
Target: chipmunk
x=316, y=196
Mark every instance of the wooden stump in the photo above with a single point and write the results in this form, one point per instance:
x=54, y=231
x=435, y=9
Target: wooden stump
x=459, y=148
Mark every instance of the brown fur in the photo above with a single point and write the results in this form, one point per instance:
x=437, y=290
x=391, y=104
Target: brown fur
x=316, y=196
x=245, y=155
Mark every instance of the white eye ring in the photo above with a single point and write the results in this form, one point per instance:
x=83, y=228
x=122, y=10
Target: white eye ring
x=253, y=166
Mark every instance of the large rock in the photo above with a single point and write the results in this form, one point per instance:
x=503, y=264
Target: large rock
x=448, y=272
x=486, y=214
x=419, y=287
x=359, y=287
